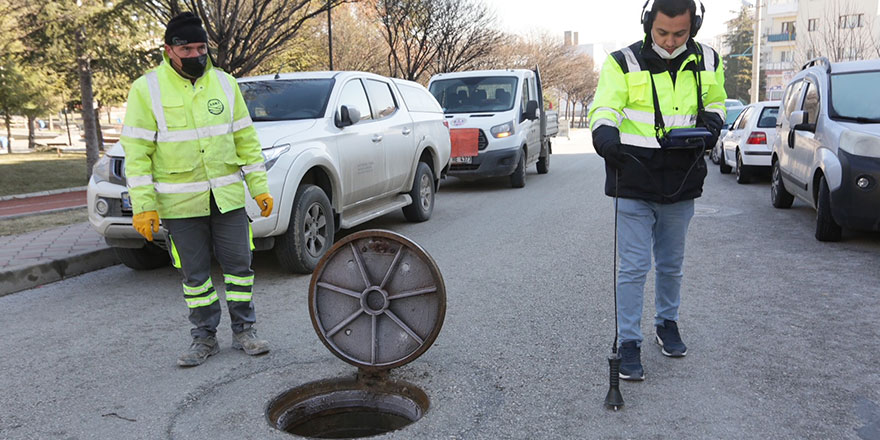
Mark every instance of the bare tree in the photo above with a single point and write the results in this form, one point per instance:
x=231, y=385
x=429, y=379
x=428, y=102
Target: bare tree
x=467, y=32
x=842, y=33
x=245, y=33
x=409, y=27
x=357, y=39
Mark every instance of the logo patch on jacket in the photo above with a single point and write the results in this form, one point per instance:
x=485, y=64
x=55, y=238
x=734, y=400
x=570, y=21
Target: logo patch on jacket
x=215, y=107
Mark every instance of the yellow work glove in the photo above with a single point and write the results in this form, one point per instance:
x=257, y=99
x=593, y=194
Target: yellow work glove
x=146, y=223
x=264, y=201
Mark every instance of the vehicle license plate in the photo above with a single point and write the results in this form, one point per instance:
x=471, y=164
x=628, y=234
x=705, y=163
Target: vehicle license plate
x=462, y=159
x=126, y=202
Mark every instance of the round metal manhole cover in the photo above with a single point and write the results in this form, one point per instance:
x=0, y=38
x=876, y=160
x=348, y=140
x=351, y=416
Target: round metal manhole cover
x=377, y=300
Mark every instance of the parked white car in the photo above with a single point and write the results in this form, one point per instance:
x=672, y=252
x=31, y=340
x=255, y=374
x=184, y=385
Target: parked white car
x=732, y=113
x=341, y=148
x=746, y=147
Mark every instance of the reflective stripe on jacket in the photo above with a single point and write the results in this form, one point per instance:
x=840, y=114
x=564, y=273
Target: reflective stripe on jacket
x=624, y=100
x=185, y=141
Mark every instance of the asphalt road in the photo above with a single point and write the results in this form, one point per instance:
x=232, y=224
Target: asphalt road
x=782, y=330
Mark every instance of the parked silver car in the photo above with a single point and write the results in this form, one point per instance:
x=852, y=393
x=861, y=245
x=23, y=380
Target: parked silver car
x=341, y=148
x=827, y=148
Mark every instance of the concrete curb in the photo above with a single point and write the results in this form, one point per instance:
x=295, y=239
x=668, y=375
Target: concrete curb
x=26, y=277
x=31, y=214
x=43, y=193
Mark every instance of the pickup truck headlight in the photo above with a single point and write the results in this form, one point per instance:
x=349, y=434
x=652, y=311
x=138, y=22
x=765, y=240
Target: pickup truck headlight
x=860, y=144
x=270, y=155
x=502, y=131
x=101, y=170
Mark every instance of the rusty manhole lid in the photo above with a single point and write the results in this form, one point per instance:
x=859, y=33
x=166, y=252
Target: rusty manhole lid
x=377, y=300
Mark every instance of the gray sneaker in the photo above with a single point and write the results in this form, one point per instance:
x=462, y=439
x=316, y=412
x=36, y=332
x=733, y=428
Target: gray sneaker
x=247, y=341
x=198, y=352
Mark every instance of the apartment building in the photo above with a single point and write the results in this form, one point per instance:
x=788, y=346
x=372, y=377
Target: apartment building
x=779, y=33
x=795, y=31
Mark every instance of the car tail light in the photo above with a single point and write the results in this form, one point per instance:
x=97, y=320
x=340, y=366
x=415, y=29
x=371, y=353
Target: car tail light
x=757, y=137
x=446, y=123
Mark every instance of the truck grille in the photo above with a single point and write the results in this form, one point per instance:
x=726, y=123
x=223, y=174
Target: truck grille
x=117, y=170
x=482, y=142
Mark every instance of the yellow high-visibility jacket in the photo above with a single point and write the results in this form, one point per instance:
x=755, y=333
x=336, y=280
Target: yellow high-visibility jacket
x=185, y=141
x=625, y=101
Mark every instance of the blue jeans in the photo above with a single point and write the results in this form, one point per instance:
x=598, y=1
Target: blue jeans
x=644, y=227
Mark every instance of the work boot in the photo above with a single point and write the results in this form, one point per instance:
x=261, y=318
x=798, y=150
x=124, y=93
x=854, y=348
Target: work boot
x=631, y=361
x=670, y=340
x=247, y=340
x=199, y=351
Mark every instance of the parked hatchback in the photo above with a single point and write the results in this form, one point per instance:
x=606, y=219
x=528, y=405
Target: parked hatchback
x=732, y=113
x=745, y=147
x=827, y=150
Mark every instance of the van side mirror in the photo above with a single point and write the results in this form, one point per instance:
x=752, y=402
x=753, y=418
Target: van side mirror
x=531, y=112
x=798, y=121
x=346, y=116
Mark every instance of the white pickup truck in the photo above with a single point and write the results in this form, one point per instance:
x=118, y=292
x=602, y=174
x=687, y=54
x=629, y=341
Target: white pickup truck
x=341, y=148
x=499, y=125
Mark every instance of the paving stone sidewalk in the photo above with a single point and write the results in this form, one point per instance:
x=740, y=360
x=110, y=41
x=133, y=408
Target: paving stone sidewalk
x=36, y=258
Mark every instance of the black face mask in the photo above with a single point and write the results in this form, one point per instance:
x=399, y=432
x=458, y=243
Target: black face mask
x=194, y=66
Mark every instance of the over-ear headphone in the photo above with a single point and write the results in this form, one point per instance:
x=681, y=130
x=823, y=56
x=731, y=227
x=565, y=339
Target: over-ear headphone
x=648, y=15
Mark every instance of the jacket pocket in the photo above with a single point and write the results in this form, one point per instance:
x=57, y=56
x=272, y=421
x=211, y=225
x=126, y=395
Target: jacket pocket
x=176, y=158
x=175, y=113
x=639, y=87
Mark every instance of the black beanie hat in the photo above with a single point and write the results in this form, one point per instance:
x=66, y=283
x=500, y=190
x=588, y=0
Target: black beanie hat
x=185, y=28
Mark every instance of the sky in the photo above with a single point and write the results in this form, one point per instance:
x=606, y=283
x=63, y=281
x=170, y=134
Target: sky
x=597, y=20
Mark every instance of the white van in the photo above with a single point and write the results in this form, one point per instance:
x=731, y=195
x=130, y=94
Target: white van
x=497, y=123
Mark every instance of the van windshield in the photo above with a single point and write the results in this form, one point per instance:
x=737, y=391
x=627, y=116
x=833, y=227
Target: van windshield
x=854, y=96
x=475, y=94
x=285, y=100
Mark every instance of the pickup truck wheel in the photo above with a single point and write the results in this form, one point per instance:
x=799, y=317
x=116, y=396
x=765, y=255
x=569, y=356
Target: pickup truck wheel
x=518, y=178
x=826, y=228
x=544, y=163
x=146, y=258
x=310, y=232
x=779, y=196
x=422, y=194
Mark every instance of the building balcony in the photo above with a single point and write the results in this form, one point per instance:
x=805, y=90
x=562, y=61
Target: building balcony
x=778, y=66
x=775, y=38
x=782, y=8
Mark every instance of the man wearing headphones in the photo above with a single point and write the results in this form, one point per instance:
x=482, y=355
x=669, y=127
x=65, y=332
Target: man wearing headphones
x=663, y=82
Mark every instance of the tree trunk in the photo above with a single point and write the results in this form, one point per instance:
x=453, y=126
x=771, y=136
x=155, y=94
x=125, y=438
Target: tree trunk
x=8, y=120
x=88, y=109
x=98, y=128
x=31, y=136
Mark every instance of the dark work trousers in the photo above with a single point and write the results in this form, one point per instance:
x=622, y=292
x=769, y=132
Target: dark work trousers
x=191, y=242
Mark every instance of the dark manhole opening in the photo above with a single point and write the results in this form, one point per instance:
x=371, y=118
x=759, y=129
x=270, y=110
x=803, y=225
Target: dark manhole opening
x=347, y=408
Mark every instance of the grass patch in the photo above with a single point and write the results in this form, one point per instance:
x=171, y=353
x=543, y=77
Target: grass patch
x=33, y=172
x=37, y=222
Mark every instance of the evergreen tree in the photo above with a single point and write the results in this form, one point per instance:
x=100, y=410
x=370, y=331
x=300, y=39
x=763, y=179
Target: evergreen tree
x=78, y=39
x=738, y=64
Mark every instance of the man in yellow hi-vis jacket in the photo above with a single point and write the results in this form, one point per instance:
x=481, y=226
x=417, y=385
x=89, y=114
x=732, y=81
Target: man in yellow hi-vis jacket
x=190, y=145
x=666, y=81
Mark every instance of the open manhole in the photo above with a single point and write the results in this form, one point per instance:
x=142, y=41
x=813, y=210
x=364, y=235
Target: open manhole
x=347, y=408
x=377, y=301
